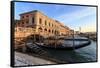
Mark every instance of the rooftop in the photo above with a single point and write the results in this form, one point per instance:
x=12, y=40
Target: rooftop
x=44, y=15
x=29, y=12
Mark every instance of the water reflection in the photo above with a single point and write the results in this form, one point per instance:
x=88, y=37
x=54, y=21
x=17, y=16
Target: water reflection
x=84, y=54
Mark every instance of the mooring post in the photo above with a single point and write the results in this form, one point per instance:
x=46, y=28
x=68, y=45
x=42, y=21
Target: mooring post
x=24, y=49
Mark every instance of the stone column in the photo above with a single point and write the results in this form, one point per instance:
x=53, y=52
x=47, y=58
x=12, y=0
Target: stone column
x=30, y=20
x=36, y=20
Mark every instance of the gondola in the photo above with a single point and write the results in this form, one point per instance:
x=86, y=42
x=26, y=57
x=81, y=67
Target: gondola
x=61, y=47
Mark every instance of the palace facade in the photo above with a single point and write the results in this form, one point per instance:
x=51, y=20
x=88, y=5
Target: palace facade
x=35, y=22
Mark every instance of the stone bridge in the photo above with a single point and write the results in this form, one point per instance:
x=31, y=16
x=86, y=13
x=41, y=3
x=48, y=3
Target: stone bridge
x=21, y=35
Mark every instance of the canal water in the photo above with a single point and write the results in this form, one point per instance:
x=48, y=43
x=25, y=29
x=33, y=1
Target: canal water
x=84, y=54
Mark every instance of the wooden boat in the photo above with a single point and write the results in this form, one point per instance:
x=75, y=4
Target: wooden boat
x=65, y=46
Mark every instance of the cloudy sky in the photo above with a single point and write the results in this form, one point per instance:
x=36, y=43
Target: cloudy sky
x=70, y=15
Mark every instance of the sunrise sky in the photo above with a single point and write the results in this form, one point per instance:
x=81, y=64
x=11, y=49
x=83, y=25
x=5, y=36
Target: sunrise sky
x=70, y=15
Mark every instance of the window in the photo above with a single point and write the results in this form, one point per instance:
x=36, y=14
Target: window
x=52, y=31
x=45, y=29
x=22, y=16
x=52, y=25
x=40, y=21
x=32, y=19
x=49, y=30
x=49, y=23
x=26, y=15
x=55, y=32
x=26, y=22
x=45, y=22
x=22, y=22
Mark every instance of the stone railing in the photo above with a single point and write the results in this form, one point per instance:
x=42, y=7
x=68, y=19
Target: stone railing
x=24, y=32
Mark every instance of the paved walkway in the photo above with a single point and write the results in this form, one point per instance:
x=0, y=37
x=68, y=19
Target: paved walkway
x=24, y=59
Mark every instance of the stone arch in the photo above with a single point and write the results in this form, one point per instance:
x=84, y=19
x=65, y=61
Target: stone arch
x=45, y=29
x=40, y=29
x=49, y=31
x=55, y=32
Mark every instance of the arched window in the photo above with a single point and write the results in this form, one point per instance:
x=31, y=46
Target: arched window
x=33, y=20
x=40, y=21
x=22, y=22
x=49, y=30
x=52, y=25
x=40, y=29
x=26, y=15
x=55, y=32
x=45, y=22
x=45, y=29
x=26, y=22
x=49, y=23
x=52, y=31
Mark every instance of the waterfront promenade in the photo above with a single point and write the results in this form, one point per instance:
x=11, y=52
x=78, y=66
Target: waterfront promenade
x=22, y=59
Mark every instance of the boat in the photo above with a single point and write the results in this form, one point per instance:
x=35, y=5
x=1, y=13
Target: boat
x=66, y=46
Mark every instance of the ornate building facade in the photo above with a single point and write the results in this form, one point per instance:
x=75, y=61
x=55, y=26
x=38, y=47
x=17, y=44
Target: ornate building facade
x=35, y=22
